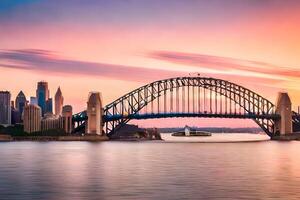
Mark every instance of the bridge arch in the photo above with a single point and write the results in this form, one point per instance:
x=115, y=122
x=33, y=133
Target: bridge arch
x=226, y=100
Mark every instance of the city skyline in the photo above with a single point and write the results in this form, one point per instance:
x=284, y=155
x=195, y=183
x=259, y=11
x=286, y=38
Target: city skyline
x=101, y=50
x=149, y=99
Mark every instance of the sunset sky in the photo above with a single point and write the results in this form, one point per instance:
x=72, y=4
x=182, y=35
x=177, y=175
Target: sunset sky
x=116, y=46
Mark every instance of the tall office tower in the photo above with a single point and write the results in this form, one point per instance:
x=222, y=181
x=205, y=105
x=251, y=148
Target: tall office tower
x=20, y=102
x=33, y=101
x=42, y=95
x=67, y=118
x=5, y=108
x=59, y=102
x=49, y=106
x=32, y=118
x=94, y=113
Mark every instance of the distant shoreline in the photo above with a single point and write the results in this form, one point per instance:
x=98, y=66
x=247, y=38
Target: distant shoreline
x=95, y=138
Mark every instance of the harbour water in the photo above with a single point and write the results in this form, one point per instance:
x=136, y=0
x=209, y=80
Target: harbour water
x=151, y=169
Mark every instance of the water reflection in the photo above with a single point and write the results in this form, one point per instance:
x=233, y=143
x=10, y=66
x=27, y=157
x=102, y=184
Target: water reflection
x=149, y=170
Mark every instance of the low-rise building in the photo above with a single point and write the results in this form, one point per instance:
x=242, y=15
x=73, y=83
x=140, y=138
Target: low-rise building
x=51, y=122
x=63, y=122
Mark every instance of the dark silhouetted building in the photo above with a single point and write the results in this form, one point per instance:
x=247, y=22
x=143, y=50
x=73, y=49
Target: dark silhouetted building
x=15, y=116
x=5, y=108
x=20, y=102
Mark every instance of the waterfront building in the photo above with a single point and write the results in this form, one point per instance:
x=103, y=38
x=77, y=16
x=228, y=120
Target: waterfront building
x=94, y=113
x=67, y=118
x=20, y=102
x=33, y=101
x=63, y=122
x=5, y=108
x=42, y=95
x=51, y=121
x=32, y=116
x=59, y=102
x=49, y=106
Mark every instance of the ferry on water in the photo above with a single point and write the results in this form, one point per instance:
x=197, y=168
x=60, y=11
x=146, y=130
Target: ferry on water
x=187, y=132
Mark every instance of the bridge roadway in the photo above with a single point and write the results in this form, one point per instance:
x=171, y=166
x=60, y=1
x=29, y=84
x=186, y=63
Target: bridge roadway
x=108, y=118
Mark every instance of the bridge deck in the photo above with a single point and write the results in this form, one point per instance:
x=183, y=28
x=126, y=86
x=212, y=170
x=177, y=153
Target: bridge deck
x=202, y=115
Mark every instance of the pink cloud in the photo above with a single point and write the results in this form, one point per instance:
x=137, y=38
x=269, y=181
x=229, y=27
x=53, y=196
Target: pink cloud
x=47, y=62
x=43, y=61
x=224, y=63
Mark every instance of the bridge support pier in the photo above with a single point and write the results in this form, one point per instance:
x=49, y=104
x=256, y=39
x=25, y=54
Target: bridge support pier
x=94, y=114
x=67, y=118
x=284, y=109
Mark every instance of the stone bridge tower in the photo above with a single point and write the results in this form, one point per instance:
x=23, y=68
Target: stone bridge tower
x=67, y=118
x=94, y=114
x=284, y=109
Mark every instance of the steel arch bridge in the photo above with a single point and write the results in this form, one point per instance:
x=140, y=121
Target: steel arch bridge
x=188, y=97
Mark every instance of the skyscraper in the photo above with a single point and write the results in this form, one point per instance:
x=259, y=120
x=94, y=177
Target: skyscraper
x=59, y=102
x=42, y=94
x=20, y=102
x=49, y=106
x=5, y=108
x=32, y=118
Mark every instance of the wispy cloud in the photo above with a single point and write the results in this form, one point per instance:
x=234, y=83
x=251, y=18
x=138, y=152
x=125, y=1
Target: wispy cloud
x=226, y=64
x=49, y=63
x=44, y=61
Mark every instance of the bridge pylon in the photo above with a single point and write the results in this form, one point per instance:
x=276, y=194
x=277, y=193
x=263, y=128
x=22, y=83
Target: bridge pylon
x=94, y=123
x=284, y=109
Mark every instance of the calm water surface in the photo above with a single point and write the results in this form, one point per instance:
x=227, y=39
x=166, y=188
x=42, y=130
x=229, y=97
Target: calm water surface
x=150, y=170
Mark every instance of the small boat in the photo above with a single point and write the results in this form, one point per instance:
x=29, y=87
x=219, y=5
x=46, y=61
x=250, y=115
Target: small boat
x=188, y=132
